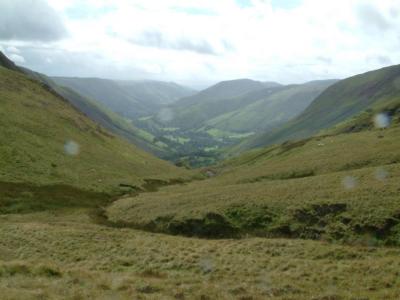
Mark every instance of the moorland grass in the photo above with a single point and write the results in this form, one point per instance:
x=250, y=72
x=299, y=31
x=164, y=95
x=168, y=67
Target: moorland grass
x=337, y=188
x=64, y=256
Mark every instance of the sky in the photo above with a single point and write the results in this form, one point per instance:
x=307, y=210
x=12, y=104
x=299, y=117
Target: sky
x=202, y=42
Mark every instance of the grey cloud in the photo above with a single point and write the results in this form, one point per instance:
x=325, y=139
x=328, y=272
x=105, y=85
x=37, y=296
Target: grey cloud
x=371, y=18
x=394, y=12
x=384, y=60
x=29, y=20
x=58, y=62
x=380, y=59
x=228, y=45
x=16, y=58
x=154, y=38
x=324, y=59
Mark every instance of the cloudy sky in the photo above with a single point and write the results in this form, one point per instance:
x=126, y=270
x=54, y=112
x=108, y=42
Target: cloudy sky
x=199, y=42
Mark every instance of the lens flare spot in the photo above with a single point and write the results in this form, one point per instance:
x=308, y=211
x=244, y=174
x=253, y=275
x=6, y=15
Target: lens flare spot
x=71, y=148
x=381, y=174
x=349, y=182
x=382, y=120
x=206, y=265
x=264, y=282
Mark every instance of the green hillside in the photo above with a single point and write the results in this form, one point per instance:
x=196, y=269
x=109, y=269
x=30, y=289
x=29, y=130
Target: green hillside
x=324, y=187
x=100, y=114
x=46, y=141
x=112, y=121
x=344, y=99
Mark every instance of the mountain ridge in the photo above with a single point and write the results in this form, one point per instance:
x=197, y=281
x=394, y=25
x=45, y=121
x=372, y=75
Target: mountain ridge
x=348, y=97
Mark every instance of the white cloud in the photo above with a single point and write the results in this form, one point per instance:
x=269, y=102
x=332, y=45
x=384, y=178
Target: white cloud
x=216, y=40
x=18, y=59
x=12, y=49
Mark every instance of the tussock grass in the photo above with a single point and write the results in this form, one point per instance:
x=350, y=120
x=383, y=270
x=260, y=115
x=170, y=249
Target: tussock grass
x=87, y=261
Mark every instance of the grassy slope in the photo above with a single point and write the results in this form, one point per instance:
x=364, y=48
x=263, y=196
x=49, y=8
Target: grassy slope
x=295, y=189
x=103, y=116
x=37, y=124
x=63, y=256
x=342, y=100
x=112, y=121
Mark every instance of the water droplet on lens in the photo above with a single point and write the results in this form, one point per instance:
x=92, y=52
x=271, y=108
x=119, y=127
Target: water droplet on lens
x=349, y=182
x=71, y=148
x=381, y=174
x=264, y=282
x=382, y=120
x=206, y=265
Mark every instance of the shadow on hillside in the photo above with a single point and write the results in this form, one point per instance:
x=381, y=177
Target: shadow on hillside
x=26, y=198
x=330, y=222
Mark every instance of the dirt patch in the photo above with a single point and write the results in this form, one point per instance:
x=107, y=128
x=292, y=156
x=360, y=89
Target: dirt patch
x=281, y=176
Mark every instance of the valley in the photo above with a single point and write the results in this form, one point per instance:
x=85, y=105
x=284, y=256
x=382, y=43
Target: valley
x=245, y=190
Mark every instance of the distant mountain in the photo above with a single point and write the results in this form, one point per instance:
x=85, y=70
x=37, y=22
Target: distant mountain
x=110, y=94
x=244, y=106
x=269, y=108
x=47, y=141
x=131, y=99
x=192, y=112
x=225, y=90
x=158, y=92
x=338, y=103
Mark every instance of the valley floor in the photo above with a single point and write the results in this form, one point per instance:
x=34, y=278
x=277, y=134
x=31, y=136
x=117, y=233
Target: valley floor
x=62, y=255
